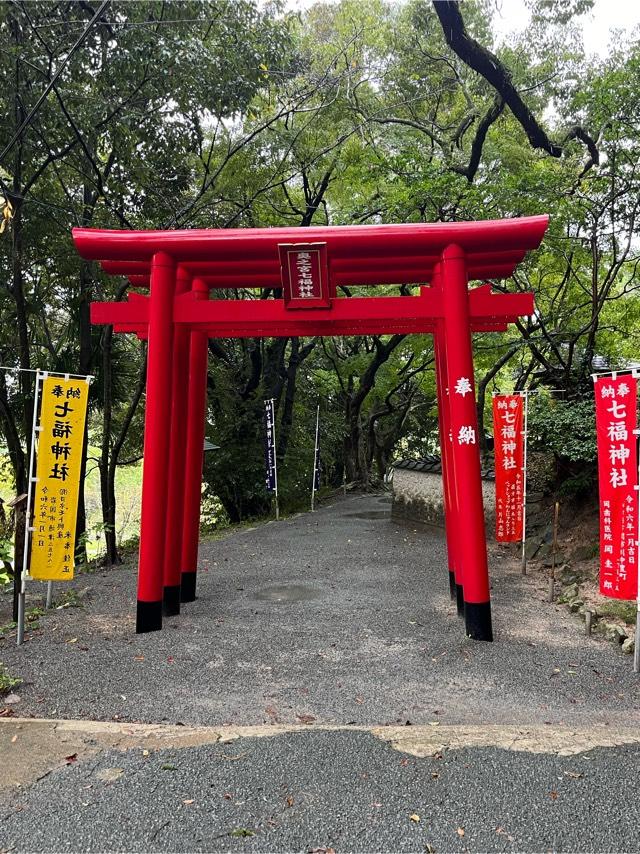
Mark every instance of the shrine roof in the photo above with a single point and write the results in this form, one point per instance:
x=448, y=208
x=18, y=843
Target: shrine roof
x=358, y=254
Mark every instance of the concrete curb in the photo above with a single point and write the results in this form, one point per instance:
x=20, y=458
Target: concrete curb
x=30, y=748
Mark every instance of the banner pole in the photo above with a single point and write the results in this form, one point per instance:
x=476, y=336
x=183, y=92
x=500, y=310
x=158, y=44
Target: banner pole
x=275, y=458
x=315, y=460
x=27, y=519
x=524, y=483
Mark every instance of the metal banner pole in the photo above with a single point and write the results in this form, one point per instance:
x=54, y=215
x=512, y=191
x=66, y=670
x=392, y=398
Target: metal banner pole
x=315, y=460
x=49, y=599
x=275, y=459
x=28, y=528
x=524, y=482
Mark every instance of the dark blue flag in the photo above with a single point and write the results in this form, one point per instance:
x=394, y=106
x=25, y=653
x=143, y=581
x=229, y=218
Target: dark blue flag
x=271, y=479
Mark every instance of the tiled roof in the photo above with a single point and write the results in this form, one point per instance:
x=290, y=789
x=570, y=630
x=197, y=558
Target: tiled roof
x=432, y=465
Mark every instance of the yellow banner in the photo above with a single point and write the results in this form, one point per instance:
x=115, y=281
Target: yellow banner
x=55, y=500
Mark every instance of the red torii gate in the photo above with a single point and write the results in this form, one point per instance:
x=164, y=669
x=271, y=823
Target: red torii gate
x=307, y=265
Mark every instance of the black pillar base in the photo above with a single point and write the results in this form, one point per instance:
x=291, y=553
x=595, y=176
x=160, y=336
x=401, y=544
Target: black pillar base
x=188, y=587
x=171, y=601
x=452, y=585
x=459, y=600
x=477, y=616
x=148, y=617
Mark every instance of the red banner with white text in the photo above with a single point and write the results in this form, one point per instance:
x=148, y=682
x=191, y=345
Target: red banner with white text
x=616, y=420
x=508, y=443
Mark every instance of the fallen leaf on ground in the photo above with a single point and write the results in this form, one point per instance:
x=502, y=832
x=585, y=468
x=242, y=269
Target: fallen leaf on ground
x=72, y=640
x=6, y=713
x=71, y=758
x=242, y=831
x=145, y=752
x=289, y=801
x=306, y=719
x=575, y=774
x=189, y=801
x=359, y=699
x=503, y=832
x=322, y=851
x=138, y=658
x=14, y=739
x=168, y=767
x=414, y=817
x=460, y=831
x=109, y=775
x=227, y=796
x=553, y=796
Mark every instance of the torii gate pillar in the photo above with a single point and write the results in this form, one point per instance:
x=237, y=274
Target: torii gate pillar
x=196, y=413
x=463, y=446
x=156, y=444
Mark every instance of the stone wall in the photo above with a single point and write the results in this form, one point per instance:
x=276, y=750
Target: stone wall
x=417, y=497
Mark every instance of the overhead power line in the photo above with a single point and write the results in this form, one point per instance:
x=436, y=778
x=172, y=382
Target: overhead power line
x=27, y=121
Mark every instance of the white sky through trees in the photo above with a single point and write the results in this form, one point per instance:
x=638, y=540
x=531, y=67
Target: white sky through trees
x=512, y=16
x=606, y=15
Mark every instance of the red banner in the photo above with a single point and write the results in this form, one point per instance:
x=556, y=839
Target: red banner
x=508, y=442
x=616, y=419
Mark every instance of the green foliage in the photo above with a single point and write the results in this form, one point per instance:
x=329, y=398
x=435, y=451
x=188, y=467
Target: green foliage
x=625, y=611
x=7, y=681
x=200, y=113
x=566, y=430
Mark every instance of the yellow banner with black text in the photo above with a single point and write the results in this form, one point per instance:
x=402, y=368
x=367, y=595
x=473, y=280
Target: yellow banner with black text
x=63, y=414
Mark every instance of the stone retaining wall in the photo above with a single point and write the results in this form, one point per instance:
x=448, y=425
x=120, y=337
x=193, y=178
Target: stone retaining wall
x=417, y=498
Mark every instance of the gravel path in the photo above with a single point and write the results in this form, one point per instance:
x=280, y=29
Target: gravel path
x=342, y=790
x=337, y=617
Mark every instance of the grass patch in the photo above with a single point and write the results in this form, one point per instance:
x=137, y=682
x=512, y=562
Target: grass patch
x=625, y=611
x=31, y=622
x=7, y=628
x=69, y=599
x=7, y=681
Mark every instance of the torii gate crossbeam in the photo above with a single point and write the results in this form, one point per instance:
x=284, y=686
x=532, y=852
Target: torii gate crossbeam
x=306, y=266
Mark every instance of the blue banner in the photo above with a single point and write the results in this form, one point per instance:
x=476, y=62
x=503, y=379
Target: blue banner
x=271, y=479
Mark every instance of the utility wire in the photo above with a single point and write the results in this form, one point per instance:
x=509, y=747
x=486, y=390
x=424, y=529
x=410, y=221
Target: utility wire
x=27, y=121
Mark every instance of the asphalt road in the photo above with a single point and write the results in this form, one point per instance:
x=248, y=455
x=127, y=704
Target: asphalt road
x=346, y=791
x=341, y=616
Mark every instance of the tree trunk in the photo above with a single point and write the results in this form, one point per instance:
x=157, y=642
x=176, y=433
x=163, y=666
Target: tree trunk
x=85, y=363
x=107, y=492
